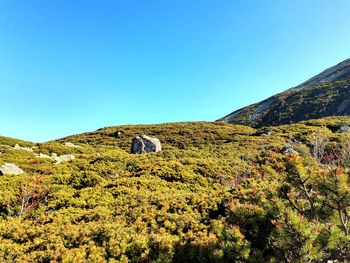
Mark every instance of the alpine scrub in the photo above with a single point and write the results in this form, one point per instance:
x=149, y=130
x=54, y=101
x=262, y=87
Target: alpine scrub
x=216, y=192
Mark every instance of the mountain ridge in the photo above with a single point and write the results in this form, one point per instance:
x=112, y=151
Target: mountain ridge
x=326, y=94
x=341, y=70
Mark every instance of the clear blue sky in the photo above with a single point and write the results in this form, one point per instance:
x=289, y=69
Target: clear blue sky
x=70, y=66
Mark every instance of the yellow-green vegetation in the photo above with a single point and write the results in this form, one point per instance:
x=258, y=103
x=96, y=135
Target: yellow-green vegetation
x=216, y=193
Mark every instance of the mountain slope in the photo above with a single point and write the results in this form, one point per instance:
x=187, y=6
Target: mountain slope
x=327, y=94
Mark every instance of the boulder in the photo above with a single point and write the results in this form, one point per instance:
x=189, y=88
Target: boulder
x=11, y=169
x=67, y=157
x=344, y=128
x=289, y=150
x=145, y=144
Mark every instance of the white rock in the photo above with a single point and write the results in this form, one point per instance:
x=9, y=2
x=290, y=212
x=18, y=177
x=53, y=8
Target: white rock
x=67, y=157
x=42, y=155
x=11, y=169
x=72, y=145
x=62, y=158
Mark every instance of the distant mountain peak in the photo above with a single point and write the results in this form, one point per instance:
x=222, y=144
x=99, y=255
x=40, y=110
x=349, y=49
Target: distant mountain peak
x=326, y=94
x=339, y=71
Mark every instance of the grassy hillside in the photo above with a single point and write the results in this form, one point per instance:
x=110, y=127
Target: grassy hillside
x=216, y=193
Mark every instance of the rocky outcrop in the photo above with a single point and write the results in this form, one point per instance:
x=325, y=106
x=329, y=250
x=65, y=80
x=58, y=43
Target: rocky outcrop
x=145, y=144
x=57, y=158
x=10, y=169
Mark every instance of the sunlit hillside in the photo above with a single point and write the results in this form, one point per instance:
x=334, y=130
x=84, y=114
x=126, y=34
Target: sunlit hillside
x=215, y=193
